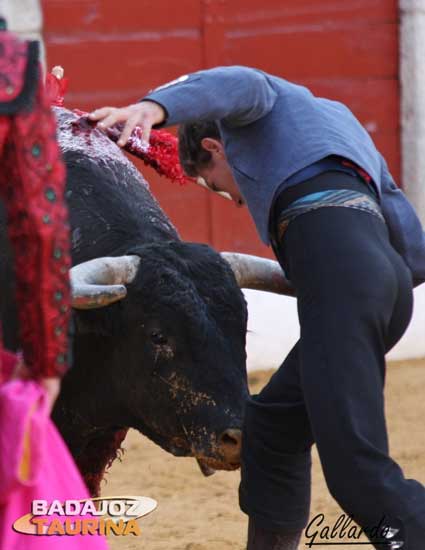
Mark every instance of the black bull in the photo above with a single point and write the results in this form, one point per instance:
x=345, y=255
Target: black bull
x=169, y=358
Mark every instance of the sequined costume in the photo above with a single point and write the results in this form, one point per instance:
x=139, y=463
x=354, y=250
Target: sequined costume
x=32, y=183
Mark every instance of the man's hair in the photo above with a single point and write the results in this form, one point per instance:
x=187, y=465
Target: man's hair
x=192, y=155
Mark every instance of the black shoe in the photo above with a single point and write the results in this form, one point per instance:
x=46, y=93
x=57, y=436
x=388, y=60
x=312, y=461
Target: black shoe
x=391, y=536
x=260, y=539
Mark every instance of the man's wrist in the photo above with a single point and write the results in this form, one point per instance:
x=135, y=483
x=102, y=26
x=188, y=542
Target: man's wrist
x=161, y=119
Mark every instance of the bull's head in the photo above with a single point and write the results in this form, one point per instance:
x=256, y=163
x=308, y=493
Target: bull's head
x=179, y=325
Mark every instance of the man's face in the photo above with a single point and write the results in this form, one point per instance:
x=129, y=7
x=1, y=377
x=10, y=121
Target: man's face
x=218, y=175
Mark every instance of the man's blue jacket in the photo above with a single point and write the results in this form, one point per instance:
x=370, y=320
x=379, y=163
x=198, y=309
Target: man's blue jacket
x=272, y=128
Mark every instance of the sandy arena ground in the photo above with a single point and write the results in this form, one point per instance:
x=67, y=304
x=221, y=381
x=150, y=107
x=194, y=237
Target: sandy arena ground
x=198, y=513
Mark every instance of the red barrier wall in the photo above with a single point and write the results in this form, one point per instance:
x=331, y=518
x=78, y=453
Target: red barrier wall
x=113, y=52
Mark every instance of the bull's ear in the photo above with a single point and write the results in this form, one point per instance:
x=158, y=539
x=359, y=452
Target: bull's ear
x=88, y=322
x=100, y=282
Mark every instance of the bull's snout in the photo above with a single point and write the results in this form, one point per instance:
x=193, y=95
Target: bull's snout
x=230, y=442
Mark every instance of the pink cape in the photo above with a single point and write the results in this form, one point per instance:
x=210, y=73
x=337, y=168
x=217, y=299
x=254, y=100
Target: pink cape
x=34, y=464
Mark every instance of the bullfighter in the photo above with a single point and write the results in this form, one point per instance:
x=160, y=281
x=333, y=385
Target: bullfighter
x=352, y=249
x=32, y=183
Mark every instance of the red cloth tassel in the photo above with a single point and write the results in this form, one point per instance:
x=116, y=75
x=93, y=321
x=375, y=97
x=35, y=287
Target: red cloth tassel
x=56, y=89
x=162, y=153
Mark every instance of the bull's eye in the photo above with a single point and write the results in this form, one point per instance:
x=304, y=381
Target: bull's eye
x=158, y=338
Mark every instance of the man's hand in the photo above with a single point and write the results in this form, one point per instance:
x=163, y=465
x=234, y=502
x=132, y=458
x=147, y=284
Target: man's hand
x=52, y=387
x=145, y=114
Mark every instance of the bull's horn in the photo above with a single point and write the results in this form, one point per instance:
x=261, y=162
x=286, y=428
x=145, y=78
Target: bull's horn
x=100, y=282
x=258, y=273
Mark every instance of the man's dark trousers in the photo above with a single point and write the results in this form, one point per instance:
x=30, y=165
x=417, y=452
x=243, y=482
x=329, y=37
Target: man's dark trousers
x=355, y=300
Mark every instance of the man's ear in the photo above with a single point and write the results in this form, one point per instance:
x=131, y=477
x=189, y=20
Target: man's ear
x=212, y=145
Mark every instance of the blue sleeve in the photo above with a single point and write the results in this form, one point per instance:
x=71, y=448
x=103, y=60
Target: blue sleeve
x=236, y=96
x=406, y=232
